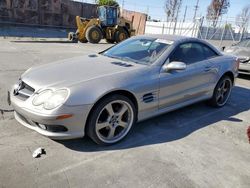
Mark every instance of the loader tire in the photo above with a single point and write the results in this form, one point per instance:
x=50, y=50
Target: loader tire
x=94, y=34
x=121, y=35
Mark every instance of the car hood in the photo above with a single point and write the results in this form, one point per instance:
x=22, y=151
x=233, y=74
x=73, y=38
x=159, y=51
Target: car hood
x=238, y=51
x=69, y=72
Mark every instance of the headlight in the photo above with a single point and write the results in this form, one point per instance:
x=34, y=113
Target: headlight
x=42, y=97
x=50, y=99
x=56, y=99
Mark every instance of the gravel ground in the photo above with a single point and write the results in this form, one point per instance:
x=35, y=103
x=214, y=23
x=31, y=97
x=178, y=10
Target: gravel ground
x=197, y=146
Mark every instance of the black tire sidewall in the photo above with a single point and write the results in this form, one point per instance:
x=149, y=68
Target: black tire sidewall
x=90, y=127
x=117, y=33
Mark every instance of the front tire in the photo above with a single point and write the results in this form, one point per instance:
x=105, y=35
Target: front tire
x=111, y=120
x=94, y=34
x=222, y=92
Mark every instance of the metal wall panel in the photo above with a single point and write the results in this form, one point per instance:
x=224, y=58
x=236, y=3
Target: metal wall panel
x=139, y=20
x=60, y=13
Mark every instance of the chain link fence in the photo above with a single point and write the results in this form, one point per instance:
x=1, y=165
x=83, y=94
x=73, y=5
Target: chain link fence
x=226, y=31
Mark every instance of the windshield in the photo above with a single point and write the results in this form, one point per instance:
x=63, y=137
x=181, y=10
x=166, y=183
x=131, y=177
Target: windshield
x=143, y=51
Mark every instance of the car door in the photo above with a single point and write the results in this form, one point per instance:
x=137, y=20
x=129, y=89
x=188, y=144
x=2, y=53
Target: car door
x=181, y=86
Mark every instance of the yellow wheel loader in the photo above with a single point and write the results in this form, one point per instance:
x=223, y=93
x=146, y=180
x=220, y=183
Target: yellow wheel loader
x=109, y=25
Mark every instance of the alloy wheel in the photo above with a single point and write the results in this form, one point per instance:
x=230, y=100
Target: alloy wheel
x=223, y=92
x=114, y=121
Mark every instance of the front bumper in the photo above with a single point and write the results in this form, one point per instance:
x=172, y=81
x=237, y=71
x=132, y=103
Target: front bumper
x=244, y=68
x=72, y=127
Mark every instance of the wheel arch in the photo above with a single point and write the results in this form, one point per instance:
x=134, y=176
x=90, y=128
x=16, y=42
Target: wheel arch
x=126, y=93
x=230, y=75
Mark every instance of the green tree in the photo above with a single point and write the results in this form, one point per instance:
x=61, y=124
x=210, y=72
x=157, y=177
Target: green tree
x=107, y=2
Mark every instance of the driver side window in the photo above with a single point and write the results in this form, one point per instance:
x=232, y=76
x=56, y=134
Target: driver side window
x=191, y=52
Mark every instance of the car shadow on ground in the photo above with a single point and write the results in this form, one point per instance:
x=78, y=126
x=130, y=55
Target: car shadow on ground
x=172, y=126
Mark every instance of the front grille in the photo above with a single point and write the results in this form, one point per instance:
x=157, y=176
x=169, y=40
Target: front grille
x=23, y=91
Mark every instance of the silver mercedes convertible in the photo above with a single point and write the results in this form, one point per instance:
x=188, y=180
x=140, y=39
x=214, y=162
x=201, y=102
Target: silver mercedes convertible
x=103, y=95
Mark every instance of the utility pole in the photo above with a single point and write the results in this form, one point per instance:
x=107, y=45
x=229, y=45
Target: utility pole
x=147, y=11
x=123, y=2
x=196, y=8
x=185, y=13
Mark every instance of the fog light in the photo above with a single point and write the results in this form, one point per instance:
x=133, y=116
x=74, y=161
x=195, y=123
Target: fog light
x=56, y=128
x=52, y=128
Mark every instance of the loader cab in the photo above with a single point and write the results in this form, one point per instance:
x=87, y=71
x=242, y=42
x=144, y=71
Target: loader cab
x=108, y=16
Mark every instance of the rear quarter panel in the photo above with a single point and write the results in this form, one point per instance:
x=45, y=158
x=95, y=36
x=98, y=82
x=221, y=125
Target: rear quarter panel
x=223, y=64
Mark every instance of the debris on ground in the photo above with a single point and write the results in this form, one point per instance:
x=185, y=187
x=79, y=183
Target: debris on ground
x=38, y=152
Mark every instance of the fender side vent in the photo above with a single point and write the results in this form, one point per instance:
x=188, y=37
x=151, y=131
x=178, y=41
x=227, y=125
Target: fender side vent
x=122, y=64
x=92, y=55
x=149, y=97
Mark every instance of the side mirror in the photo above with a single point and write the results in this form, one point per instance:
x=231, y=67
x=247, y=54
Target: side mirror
x=223, y=48
x=175, y=65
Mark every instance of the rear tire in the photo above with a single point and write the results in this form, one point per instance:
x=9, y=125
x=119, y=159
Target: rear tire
x=94, y=34
x=111, y=120
x=221, y=93
x=120, y=35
